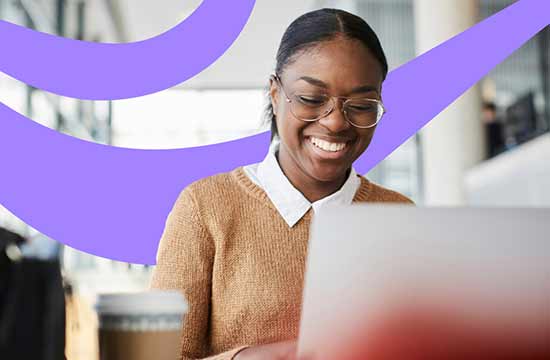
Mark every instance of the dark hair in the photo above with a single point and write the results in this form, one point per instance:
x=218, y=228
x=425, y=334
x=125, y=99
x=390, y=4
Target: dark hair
x=321, y=25
x=489, y=105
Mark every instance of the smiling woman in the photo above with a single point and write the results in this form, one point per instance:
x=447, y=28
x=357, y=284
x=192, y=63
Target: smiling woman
x=235, y=244
x=317, y=122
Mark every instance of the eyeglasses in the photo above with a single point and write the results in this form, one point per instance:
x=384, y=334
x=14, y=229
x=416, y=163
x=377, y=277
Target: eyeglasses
x=362, y=113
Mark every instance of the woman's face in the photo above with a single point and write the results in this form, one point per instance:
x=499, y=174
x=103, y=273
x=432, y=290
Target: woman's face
x=339, y=67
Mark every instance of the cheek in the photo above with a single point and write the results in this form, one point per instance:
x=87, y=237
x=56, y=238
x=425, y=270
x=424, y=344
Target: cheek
x=290, y=128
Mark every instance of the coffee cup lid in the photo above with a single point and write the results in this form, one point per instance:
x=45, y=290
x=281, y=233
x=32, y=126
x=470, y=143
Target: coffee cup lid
x=149, y=302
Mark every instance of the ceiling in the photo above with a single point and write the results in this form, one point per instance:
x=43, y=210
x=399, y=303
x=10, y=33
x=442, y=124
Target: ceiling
x=247, y=64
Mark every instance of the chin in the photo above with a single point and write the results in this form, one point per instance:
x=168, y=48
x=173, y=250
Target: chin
x=328, y=173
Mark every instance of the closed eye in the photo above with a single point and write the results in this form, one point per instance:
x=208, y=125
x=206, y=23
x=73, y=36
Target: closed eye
x=363, y=107
x=311, y=100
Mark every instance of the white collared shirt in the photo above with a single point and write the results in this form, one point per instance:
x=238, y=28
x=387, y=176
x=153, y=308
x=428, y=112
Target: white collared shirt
x=289, y=201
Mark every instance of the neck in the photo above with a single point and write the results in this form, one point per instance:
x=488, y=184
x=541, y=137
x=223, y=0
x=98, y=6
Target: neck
x=312, y=189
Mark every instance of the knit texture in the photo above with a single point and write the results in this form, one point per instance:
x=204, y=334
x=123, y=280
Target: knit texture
x=239, y=265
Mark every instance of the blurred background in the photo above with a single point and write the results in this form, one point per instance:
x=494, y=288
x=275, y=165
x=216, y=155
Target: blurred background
x=490, y=148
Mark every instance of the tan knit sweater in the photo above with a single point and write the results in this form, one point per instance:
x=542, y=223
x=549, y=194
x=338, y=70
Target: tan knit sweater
x=239, y=265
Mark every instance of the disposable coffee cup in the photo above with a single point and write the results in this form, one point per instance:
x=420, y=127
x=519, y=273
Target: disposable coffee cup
x=140, y=326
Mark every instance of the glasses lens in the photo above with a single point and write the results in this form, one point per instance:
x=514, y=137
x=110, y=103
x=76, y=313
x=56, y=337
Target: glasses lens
x=363, y=112
x=310, y=107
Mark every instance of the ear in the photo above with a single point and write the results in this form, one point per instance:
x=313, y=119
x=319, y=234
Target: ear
x=274, y=94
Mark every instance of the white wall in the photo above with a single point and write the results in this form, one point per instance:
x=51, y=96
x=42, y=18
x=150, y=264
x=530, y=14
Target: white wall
x=256, y=47
x=520, y=177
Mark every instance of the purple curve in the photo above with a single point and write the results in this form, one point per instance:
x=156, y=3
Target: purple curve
x=100, y=71
x=113, y=202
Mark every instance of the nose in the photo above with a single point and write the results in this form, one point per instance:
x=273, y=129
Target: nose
x=335, y=121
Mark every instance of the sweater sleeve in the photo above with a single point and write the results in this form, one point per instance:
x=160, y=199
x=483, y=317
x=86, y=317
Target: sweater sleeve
x=184, y=262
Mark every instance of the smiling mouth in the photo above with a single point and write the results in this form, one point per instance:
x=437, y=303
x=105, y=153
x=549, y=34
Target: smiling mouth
x=332, y=147
x=324, y=150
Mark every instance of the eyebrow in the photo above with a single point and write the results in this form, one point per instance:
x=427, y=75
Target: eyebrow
x=357, y=90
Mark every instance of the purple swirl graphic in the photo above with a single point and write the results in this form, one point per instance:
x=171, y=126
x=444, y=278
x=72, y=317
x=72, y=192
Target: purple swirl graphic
x=113, y=202
x=97, y=71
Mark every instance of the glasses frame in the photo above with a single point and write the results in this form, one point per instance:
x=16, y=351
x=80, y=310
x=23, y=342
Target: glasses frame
x=332, y=98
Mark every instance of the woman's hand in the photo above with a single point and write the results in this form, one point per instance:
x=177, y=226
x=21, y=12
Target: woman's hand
x=285, y=350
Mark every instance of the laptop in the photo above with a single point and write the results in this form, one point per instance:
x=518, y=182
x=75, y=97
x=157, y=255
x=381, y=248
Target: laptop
x=385, y=279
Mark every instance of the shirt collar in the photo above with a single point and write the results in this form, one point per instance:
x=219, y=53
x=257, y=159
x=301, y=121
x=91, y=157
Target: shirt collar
x=289, y=201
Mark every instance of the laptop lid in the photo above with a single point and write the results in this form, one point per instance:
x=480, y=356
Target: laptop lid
x=367, y=263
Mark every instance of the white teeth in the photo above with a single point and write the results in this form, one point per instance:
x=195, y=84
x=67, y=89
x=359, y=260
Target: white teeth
x=327, y=146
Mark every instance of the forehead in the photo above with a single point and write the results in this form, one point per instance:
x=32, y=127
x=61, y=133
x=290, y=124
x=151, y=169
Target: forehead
x=341, y=63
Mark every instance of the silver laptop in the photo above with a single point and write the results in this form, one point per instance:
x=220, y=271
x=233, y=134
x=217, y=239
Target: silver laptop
x=368, y=262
